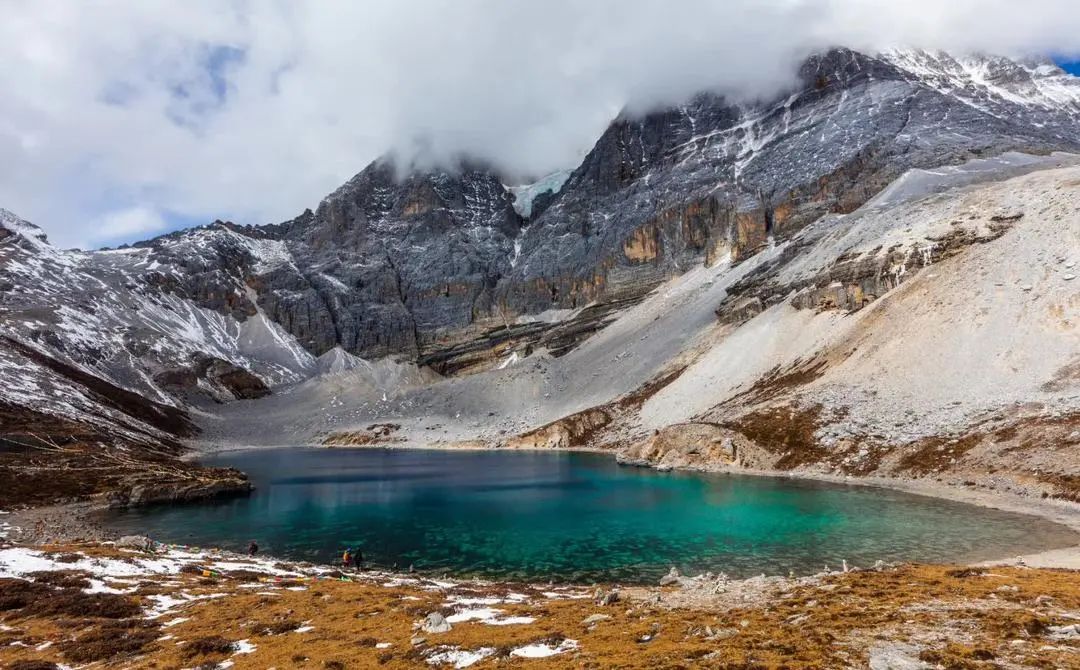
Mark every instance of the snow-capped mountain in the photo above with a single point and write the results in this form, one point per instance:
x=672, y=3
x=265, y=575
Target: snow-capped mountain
x=708, y=179
x=453, y=269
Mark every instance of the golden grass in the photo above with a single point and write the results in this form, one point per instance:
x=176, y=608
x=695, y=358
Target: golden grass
x=957, y=618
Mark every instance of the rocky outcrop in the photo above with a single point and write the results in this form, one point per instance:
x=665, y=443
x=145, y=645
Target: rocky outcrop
x=203, y=484
x=695, y=446
x=856, y=278
x=219, y=378
x=573, y=431
x=375, y=434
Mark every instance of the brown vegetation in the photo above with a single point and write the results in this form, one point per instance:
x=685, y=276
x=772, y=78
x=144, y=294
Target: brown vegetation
x=788, y=431
x=211, y=645
x=75, y=603
x=109, y=640
x=64, y=579
x=953, y=616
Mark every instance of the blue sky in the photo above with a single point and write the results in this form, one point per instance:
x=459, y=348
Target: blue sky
x=1072, y=67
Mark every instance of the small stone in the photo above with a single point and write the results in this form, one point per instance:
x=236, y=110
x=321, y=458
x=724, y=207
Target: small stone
x=654, y=630
x=417, y=641
x=594, y=619
x=1069, y=277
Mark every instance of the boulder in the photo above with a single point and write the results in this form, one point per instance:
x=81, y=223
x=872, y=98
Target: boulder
x=134, y=542
x=672, y=577
x=605, y=598
x=436, y=623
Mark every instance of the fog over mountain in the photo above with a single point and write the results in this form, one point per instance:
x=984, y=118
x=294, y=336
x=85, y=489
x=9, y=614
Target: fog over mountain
x=123, y=120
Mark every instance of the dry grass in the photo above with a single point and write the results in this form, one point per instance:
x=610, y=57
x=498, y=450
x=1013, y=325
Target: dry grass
x=954, y=617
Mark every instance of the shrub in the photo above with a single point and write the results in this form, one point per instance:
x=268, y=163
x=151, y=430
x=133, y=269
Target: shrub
x=277, y=628
x=18, y=593
x=72, y=602
x=111, y=639
x=32, y=665
x=65, y=579
x=205, y=646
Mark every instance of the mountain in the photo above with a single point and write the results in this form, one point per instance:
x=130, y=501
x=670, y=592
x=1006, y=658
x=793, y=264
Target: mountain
x=660, y=194
x=352, y=312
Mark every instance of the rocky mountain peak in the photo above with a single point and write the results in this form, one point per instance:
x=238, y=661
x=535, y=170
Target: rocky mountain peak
x=386, y=196
x=713, y=178
x=12, y=226
x=995, y=85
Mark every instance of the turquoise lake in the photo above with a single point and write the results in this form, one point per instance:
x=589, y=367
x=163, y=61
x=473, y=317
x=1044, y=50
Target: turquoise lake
x=573, y=517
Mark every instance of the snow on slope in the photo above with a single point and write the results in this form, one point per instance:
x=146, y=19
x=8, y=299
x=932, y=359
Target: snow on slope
x=986, y=81
x=526, y=193
x=103, y=313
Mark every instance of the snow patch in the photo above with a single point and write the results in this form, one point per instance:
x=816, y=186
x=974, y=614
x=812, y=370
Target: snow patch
x=459, y=658
x=525, y=194
x=544, y=650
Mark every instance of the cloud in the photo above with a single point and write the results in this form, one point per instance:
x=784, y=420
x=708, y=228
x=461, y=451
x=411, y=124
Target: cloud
x=254, y=109
x=125, y=223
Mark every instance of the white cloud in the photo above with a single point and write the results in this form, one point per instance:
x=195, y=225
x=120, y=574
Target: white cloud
x=253, y=110
x=125, y=223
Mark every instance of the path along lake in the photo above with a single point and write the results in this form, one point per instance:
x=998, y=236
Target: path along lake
x=573, y=517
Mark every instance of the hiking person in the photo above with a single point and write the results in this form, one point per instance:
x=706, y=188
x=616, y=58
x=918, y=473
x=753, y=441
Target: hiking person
x=358, y=560
x=346, y=558
x=253, y=548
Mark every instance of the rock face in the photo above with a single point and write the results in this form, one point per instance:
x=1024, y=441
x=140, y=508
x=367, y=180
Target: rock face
x=854, y=279
x=695, y=446
x=710, y=179
x=391, y=263
x=451, y=269
x=214, y=376
x=438, y=265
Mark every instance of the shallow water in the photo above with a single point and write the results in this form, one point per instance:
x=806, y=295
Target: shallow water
x=574, y=517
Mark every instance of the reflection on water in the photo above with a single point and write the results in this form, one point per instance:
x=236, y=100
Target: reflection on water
x=580, y=517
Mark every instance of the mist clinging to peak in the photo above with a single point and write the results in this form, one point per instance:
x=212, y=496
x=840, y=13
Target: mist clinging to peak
x=123, y=120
